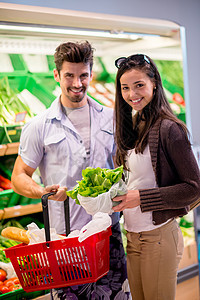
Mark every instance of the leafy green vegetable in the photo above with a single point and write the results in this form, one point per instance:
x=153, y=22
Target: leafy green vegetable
x=10, y=104
x=172, y=75
x=7, y=243
x=95, y=181
x=3, y=257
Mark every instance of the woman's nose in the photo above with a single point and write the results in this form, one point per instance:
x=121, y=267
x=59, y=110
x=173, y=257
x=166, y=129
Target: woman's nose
x=132, y=93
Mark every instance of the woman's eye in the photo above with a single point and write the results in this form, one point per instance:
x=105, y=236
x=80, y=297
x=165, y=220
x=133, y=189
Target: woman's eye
x=139, y=85
x=124, y=88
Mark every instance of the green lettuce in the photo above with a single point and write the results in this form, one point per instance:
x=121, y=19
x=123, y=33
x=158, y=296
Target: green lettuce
x=95, y=181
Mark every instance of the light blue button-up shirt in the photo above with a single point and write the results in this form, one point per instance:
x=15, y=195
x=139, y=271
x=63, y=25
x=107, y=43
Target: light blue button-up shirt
x=50, y=141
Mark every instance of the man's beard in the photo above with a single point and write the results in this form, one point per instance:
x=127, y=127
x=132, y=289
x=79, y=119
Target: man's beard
x=78, y=98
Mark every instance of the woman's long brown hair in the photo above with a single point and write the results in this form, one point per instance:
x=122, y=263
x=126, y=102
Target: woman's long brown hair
x=130, y=134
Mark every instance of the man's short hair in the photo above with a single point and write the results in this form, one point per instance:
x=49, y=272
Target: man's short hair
x=74, y=53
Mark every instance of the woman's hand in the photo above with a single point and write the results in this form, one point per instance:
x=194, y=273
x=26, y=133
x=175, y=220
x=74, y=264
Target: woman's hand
x=129, y=200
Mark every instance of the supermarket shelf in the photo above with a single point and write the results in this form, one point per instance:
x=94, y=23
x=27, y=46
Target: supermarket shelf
x=3, y=149
x=188, y=273
x=9, y=149
x=20, y=210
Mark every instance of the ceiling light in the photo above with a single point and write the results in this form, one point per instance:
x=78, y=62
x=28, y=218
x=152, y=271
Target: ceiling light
x=79, y=32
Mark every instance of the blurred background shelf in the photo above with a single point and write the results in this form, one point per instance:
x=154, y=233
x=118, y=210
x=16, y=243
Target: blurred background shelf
x=8, y=149
x=20, y=210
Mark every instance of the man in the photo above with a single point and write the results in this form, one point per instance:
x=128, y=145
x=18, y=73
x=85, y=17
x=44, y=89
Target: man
x=75, y=132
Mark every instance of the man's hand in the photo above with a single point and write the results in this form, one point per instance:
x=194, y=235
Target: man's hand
x=60, y=192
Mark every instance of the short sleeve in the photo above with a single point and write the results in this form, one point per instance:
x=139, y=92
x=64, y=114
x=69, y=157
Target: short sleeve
x=31, y=144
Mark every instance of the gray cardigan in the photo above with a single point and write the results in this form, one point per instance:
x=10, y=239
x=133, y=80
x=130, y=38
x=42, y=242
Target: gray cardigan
x=176, y=170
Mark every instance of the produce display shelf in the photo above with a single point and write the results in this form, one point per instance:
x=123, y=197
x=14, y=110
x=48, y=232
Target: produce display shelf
x=8, y=149
x=10, y=133
x=19, y=81
x=51, y=63
x=47, y=83
x=5, y=197
x=3, y=149
x=21, y=294
x=172, y=87
x=18, y=62
x=20, y=210
x=9, y=199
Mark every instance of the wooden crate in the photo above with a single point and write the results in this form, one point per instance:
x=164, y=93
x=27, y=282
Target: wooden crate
x=188, y=289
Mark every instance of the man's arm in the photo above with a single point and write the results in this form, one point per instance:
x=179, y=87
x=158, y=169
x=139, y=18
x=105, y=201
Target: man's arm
x=23, y=183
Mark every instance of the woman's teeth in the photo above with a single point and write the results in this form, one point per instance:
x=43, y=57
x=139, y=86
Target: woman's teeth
x=135, y=101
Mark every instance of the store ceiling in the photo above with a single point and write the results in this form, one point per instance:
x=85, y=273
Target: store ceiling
x=61, y=17
x=158, y=38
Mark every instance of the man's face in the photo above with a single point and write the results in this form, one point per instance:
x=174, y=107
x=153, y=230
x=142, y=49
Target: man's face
x=74, y=81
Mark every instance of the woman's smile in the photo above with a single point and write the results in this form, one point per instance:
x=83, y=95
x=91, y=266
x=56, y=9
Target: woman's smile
x=137, y=100
x=136, y=89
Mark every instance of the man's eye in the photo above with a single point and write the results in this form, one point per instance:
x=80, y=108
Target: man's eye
x=84, y=76
x=68, y=75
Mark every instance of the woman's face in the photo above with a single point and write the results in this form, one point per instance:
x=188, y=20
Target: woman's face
x=136, y=88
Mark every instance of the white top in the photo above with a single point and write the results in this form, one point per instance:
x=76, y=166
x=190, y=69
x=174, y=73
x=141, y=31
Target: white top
x=141, y=176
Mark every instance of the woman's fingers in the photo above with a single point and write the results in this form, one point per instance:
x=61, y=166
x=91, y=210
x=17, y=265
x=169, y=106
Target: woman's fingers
x=129, y=200
x=118, y=198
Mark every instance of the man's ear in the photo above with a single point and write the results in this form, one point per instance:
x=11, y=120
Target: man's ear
x=56, y=75
x=91, y=76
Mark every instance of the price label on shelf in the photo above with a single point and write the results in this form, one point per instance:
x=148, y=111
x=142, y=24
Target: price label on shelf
x=20, y=117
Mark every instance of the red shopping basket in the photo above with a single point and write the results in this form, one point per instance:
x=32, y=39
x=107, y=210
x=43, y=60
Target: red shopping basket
x=61, y=263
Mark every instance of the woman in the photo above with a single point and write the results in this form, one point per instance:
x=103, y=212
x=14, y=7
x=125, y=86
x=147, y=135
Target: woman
x=163, y=178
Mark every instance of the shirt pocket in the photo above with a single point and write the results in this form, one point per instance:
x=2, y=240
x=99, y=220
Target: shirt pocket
x=54, y=139
x=107, y=130
x=55, y=146
x=105, y=140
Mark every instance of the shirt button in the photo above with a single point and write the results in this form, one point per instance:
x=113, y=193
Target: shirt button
x=81, y=141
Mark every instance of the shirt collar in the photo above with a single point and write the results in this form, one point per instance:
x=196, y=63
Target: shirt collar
x=95, y=104
x=55, y=110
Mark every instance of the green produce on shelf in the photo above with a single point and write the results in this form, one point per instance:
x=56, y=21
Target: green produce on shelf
x=187, y=221
x=8, y=223
x=3, y=257
x=5, y=183
x=172, y=75
x=10, y=104
x=7, y=243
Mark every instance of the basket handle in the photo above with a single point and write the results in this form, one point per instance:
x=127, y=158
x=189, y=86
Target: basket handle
x=46, y=215
x=67, y=216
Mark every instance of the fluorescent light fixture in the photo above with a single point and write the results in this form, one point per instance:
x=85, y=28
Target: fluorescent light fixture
x=79, y=32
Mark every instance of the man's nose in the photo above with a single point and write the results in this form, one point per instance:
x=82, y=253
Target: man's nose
x=77, y=82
